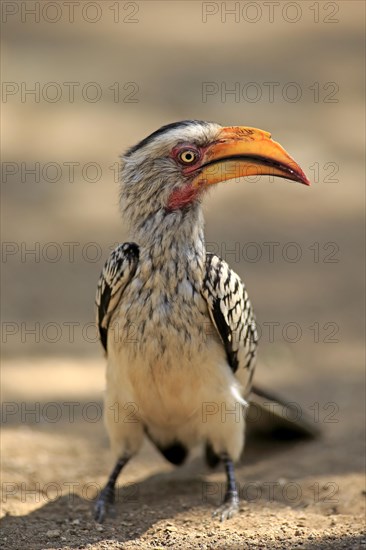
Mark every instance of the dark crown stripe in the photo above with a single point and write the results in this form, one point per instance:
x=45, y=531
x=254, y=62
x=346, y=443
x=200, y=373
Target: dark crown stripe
x=162, y=130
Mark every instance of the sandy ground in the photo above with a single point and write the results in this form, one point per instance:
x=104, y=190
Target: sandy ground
x=304, y=495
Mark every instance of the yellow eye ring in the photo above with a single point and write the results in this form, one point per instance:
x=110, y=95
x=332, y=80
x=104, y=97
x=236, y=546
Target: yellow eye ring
x=188, y=156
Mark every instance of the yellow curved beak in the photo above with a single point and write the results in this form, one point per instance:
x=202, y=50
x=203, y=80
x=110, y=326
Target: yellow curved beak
x=241, y=151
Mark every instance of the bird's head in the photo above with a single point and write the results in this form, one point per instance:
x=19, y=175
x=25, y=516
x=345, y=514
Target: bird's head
x=168, y=172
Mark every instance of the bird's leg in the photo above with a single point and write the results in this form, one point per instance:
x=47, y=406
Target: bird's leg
x=107, y=494
x=230, y=506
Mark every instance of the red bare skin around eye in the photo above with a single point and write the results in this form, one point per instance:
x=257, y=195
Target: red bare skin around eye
x=182, y=197
x=186, y=195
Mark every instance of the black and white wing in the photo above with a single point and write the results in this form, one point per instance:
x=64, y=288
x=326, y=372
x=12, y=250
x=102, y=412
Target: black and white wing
x=232, y=314
x=233, y=317
x=116, y=275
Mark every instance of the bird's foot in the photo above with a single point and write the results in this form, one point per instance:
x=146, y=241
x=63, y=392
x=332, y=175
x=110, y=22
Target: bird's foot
x=229, y=508
x=104, y=504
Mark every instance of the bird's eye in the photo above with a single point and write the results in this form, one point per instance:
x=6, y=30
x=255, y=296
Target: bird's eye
x=188, y=156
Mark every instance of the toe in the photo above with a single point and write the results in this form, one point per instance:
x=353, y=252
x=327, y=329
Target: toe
x=227, y=510
x=100, y=511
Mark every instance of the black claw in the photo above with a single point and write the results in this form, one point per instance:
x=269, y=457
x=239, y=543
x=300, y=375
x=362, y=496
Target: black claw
x=104, y=504
x=229, y=508
x=100, y=511
x=106, y=497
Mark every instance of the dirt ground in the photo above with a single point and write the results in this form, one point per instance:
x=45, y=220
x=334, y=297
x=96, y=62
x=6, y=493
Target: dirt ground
x=304, y=494
x=307, y=494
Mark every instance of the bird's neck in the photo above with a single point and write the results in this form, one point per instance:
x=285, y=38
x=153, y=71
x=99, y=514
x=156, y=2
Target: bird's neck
x=176, y=238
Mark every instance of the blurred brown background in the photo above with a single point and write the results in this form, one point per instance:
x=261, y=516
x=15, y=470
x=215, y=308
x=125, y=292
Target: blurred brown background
x=105, y=77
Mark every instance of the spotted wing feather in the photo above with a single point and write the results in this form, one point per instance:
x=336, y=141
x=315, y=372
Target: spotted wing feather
x=232, y=314
x=116, y=275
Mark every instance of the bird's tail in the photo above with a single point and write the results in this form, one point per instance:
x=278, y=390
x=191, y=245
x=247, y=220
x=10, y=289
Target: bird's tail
x=273, y=416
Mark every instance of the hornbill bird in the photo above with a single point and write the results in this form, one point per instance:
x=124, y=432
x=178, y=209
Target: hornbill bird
x=175, y=321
